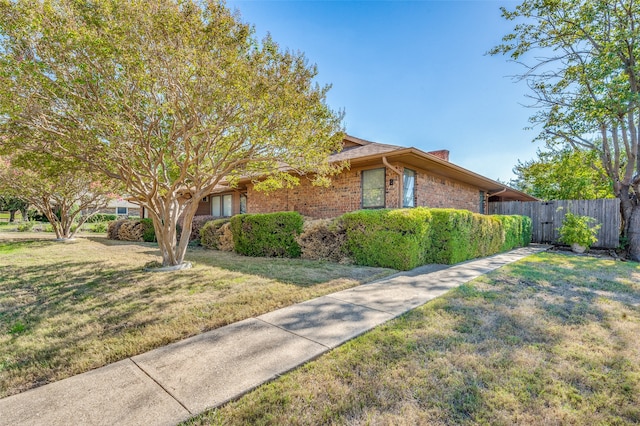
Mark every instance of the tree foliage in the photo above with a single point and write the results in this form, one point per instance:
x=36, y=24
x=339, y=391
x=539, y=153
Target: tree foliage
x=582, y=65
x=172, y=98
x=12, y=204
x=65, y=192
x=563, y=175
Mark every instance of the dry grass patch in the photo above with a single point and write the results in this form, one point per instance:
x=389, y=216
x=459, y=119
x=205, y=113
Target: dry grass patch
x=66, y=308
x=552, y=339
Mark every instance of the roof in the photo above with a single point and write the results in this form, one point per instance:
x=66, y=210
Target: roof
x=360, y=152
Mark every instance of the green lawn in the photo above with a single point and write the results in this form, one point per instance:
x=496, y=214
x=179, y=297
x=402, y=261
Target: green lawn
x=552, y=339
x=66, y=308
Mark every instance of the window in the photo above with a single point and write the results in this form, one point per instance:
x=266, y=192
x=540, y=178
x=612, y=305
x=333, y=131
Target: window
x=481, y=206
x=243, y=203
x=121, y=211
x=409, y=185
x=373, y=188
x=222, y=205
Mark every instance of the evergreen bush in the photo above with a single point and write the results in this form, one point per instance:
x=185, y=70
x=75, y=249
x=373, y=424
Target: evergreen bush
x=269, y=235
x=395, y=239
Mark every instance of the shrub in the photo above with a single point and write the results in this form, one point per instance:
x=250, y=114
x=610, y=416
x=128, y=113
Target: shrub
x=324, y=239
x=99, y=227
x=101, y=217
x=517, y=231
x=577, y=229
x=450, y=235
x=210, y=233
x=26, y=226
x=395, y=239
x=148, y=232
x=486, y=236
x=197, y=224
x=272, y=234
x=114, y=228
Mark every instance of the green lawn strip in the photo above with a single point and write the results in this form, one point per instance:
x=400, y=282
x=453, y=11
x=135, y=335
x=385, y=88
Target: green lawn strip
x=552, y=339
x=66, y=308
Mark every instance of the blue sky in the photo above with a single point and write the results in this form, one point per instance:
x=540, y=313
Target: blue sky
x=412, y=73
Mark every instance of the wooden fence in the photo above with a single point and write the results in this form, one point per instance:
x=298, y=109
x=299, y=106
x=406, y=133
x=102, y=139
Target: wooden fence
x=547, y=217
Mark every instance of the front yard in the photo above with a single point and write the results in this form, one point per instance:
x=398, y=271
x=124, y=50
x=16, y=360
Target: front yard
x=552, y=339
x=66, y=308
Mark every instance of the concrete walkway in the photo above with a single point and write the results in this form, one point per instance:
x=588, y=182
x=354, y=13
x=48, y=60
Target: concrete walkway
x=173, y=383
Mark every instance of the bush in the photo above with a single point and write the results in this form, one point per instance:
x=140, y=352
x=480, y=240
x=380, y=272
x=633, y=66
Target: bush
x=99, y=227
x=26, y=226
x=210, y=233
x=114, y=228
x=451, y=233
x=324, y=239
x=486, y=236
x=148, y=232
x=197, y=224
x=101, y=217
x=577, y=229
x=460, y=235
x=517, y=231
x=272, y=234
x=395, y=239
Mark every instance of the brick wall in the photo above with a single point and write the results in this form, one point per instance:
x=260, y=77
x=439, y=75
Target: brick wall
x=344, y=195
x=435, y=191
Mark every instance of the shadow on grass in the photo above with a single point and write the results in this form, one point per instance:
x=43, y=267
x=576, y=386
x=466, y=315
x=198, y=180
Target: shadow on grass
x=532, y=341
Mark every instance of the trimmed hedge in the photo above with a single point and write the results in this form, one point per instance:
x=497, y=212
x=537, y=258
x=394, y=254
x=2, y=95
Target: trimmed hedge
x=459, y=235
x=407, y=238
x=517, y=231
x=101, y=217
x=395, y=239
x=269, y=235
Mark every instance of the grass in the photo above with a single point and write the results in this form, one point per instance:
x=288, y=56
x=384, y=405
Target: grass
x=66, y=308
x=552, y=339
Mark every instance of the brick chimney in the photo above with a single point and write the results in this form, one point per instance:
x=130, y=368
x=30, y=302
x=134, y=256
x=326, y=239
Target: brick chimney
x=442, y=154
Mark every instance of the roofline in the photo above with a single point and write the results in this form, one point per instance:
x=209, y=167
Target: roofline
x=490, y=184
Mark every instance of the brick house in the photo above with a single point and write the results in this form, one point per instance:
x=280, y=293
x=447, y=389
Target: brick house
x=379, y=176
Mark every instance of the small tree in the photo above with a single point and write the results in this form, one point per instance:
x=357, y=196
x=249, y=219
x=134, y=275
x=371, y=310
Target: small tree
x=171, y=98
x=563, y=175
x=59, y=190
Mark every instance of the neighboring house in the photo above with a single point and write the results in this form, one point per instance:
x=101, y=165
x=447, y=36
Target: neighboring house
x=121, y=207
x=379, y=176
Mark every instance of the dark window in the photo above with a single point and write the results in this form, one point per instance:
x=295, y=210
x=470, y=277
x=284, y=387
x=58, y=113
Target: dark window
x=243, y=203
x=121, y=211
x=409, y=185
x=373, y=188
x=482, y=202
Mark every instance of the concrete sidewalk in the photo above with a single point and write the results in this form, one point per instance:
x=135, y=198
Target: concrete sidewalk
x=172, y=383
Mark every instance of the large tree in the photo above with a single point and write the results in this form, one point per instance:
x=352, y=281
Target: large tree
x=567, y=174
x=172, y=98
x=64, y=191
x=582, y=65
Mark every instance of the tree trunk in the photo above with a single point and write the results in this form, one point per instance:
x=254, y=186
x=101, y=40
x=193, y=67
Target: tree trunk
x=633, y=233
x=12, y=216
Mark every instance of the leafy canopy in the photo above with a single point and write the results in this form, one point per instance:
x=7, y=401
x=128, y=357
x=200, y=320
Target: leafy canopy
x=172, y=98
